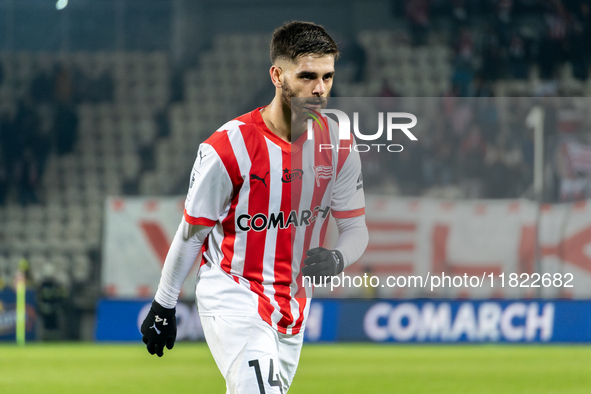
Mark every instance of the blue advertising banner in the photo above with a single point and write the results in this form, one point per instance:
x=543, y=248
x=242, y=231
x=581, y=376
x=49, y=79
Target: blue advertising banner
x=448, y=321
x=8, y=315
x=120, y=320
x=465, y=321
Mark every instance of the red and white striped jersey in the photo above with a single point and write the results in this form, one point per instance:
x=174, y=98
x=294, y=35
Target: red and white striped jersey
x=269, y=202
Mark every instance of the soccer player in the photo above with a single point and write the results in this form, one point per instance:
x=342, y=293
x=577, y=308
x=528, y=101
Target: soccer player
x=260, y=195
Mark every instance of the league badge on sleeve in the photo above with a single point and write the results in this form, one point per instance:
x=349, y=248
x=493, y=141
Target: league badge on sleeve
x=194, y=177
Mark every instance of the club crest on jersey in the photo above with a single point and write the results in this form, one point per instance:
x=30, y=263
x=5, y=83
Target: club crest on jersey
x=260, y=221
x=322, y=172
x=291, y=175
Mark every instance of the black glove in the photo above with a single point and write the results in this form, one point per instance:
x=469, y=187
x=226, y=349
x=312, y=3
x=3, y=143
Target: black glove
x=322, y=262
x=159, y=329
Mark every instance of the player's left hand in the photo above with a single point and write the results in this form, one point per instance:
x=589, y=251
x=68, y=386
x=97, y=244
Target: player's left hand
x=159, y=329
x=322, y=262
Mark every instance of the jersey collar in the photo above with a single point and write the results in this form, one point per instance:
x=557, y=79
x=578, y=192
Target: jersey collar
x=284, y=145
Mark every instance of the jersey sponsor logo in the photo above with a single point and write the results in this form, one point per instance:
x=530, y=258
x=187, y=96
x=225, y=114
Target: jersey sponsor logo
x=322, y=172
x=254, y=177
x=260, y=221
x=201, y=156
x=291, y=175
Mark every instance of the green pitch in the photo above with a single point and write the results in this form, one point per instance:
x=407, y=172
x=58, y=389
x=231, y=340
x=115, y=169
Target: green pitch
x=351, y=368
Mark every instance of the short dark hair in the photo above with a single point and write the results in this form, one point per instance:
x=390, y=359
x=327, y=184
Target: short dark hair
x=297, y=38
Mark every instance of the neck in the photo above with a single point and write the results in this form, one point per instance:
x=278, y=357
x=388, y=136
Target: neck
x=277, y=117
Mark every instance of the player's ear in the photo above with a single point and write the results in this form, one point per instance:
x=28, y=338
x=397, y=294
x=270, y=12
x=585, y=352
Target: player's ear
x=276, y=73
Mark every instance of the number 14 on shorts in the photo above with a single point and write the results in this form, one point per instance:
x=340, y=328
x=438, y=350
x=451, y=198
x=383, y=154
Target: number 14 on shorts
x=273, y=378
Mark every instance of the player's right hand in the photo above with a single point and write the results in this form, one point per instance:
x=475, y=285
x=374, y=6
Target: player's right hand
x=322, y=262
x=159, y=329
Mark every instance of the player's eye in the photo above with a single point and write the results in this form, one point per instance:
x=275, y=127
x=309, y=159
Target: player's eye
x=307, y=77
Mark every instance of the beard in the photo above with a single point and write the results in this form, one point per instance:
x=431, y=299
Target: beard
x=298, y=107
x=286, y=94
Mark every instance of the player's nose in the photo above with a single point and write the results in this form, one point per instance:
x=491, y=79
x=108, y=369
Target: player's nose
x=319, y=88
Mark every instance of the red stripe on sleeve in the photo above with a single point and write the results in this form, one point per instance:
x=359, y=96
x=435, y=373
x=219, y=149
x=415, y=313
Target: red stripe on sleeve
x=348, y=214
x=198, y=221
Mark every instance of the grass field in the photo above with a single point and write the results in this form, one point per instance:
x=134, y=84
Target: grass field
x=350, y=368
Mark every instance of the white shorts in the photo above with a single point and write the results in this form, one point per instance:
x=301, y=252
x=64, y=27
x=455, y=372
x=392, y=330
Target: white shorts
x=252, y=356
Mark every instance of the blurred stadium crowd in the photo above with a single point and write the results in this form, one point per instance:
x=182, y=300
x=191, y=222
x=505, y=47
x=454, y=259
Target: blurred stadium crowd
x=77, y=127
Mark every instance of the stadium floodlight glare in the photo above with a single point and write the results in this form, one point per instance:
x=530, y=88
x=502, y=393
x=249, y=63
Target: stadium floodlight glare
x=61, y=4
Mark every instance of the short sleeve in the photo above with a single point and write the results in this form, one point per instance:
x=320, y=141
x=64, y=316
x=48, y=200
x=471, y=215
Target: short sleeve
x=210, y=188
x=348, y=199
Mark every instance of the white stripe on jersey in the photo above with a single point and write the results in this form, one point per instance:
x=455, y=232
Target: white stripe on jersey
x=275, y=189
x=231, y=125
x=298, y=251
x=239, y=148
